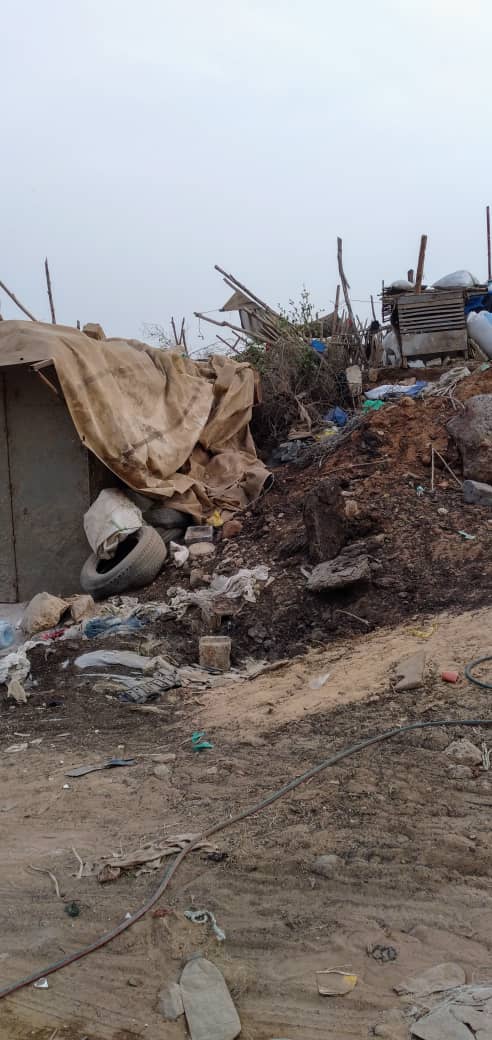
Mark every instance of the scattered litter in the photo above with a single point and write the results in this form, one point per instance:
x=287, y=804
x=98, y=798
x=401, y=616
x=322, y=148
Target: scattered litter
x=215, y=652
x=7, y=634
x=205, y=917
x=319, y=680
x=420, y=490
x=147, y=858
x=122, y=658
x=208, y=1005
x=198, y=744
x=334, y=983
x=390, y=390
x=109, y=520
x=15, y=665
x=43, y=612
x=72, y=909
x=180, y=554
x=41, y=984
x=16, y=747
x=100, y=626
x=450, y=676
x=421, y=633
x=110, y=764
x=236, y=587
x=372, y=406
x=465, y=1013
x=382, y=953
x=435, y=980
x=16, y=690
x=467, y=537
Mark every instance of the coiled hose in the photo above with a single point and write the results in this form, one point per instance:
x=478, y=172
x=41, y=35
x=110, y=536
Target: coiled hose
x=229, y=822
x=478, y=682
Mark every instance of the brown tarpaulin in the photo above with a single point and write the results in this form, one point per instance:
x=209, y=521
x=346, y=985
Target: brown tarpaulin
x=167, y=426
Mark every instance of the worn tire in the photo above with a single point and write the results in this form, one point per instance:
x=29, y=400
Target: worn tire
x=139, y=567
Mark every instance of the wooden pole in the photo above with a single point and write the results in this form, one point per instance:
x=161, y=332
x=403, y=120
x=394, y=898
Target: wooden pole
x=244, y=289
x=372, y=308
x=50, y=293
x=489, y=265
x=334, y=324
x=345, y=286
x=420, y=265
x=17, y=302
x=227, y=325
x=175, y=334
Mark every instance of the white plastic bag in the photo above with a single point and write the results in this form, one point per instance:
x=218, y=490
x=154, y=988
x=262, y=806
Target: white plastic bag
x=480, y=329
x=457, y=280
x=110, y=519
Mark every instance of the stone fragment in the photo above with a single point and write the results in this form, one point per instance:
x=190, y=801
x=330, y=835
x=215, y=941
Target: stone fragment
x=209, y=1009
x=231, y=528
x=325, y=520
x=472, y=431
x=436, y=979
x=171, y=1002
x=162, y=771
x=477, y=494
x=411, y=672
x=199, y=549
x=327, y=866
x=339, y=574
x=464, y=752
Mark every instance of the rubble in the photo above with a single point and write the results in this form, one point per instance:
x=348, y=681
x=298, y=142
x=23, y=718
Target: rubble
x=472, y=430
x=325, y=520
x=339, y=573
x=476, y=493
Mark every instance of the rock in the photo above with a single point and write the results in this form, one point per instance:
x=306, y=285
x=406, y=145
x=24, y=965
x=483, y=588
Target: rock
x=94, y=330
x=464, y=752
x=44, y=611
x=393, y=1026
x=258, y=633
x=171, y=1002
x=351, y=508
x=411, y=672
x=325, y=520
x=231, y=528
x=197, y=578
x=199, y=533
x=162, y=772
x=472, y=431
x=166, y=757
x=443, y=511
x=477, y=494
x=82, y=607
x=434, y=980
x=215, y=652
x=441, y=1024
x=327, y=866
x=210, y=1012
x=163, y=516
x=339, y=574
x=199, y=549
x=460, y=772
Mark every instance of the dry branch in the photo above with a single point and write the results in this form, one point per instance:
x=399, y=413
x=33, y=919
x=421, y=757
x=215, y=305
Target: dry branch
x=50, y=293
x=17, y=302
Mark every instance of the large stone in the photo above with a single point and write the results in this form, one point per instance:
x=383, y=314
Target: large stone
x=464, y=753
x=472, y=431
x=171, y=1002
x=44, y=611
x=325, y=520
x=339, y=574
x=476, y=493
x=327, y=866
x=209, y=1010
x=434, y=980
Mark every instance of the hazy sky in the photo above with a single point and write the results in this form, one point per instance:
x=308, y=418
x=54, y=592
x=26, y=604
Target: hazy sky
x=145, y=141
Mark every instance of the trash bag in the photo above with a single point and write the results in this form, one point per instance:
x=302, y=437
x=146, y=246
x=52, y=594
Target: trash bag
x=457, y=280
x=110, y=519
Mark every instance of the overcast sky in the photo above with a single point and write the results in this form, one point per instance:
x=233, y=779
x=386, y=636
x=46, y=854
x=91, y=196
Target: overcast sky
x=144, y=142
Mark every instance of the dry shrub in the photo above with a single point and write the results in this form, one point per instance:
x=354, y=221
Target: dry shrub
x=295, y=379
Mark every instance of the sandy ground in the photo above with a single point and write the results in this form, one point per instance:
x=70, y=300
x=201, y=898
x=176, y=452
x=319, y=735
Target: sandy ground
x=414, y=843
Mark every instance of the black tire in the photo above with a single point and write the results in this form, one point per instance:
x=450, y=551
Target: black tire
x=137, y=562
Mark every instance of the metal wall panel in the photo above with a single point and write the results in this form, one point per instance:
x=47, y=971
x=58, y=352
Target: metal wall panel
x=8, y=578
x=50, y=487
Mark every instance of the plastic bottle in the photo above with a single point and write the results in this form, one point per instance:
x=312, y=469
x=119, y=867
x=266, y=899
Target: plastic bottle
x=7, y=634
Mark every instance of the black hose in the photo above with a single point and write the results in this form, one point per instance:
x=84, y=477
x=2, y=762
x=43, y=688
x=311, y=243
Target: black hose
x=478, y=682
x=269, y=800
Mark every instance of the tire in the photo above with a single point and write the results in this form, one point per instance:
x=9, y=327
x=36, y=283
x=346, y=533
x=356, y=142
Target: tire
x=138, y=561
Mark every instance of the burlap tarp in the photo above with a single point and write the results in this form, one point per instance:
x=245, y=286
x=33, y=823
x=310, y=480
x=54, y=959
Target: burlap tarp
x=168, y=426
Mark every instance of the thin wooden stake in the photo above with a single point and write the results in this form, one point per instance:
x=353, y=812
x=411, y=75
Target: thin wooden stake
x=372, y=308
x=17, y=302
x=346, y=287
x=175, y=334
x=420, y=265
x=453, y=474
x=50, y=292
x=432, y=467
x=334, y=324
x=489, y=264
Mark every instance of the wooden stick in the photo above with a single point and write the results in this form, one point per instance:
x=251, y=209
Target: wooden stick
x=372, y=308
x=334, y=325
x=50, y=292
x=345, y=287
x=175, y=334
x=489, y=265
x=17, y=302
x=453, y=474
x=433, y=460
x=41, y=870
x=227, y=325
x=239, y=285
x=420, y=264
x=48, y=383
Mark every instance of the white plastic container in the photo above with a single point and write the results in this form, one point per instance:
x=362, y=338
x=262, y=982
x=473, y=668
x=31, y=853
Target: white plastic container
x=480, y=329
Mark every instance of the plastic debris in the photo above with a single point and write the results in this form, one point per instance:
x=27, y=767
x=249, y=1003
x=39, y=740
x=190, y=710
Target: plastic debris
x=110, y=764
x=319, y=680
x=16, y=747
x=450, y=676
x=420, y=490
x=198, y=744
x=147, y=858
x=72, y=909
x=205, y=917
x=233, y=588
x=41, y=984
x=180, y=554
x=100, y=626
x=123, y=658
x=334, y=983
x=372, y=406
x=467, y=537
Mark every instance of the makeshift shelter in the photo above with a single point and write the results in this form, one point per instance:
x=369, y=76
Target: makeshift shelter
x=164, y=425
